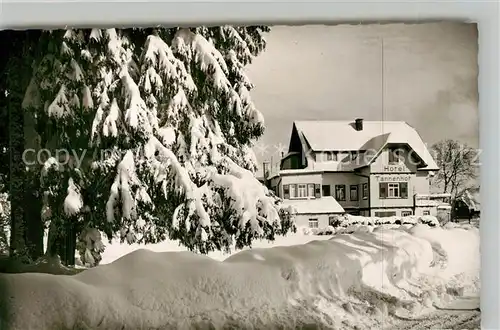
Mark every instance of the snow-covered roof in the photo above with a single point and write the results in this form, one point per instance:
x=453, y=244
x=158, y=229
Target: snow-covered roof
x=375, y=135
x=326, y=204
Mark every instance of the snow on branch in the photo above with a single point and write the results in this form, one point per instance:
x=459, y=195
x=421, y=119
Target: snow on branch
x=195, y=47
x=125, y=178
x=32, y=97
x=239, y=47
x=110, y=127
x=158, y=58
x=192, y=192
x=251, y=199
x=73, y=202
x=96, y=34
x=252, y=113
x=59, y=107
x=88, y=102
x=137, y=115
x=115, y=46
x=239, y=69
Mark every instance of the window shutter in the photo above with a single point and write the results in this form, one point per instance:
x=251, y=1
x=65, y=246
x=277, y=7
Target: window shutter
x=317, y=190
x=404, y=189
x=383, y=190
x=286, y=191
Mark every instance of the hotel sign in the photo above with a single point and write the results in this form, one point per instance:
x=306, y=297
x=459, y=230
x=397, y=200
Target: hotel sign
x=394, y=168
x=393, y=178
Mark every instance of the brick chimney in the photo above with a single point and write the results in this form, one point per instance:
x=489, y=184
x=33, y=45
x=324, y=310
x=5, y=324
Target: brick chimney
x=358, y=124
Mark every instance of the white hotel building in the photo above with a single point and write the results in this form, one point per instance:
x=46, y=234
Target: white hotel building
x=369, y=168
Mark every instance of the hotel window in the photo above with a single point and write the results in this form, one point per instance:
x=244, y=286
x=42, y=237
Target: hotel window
x=385, y=214
x=394, y=156
x=393, y=190
x=365, y=190
x=293, y=192
x=406, y=213
x=329, y=156
x=326, y=190
x=310, y=190
x=426, y=212
x=354, y=193
x=340, y=192
x=301, y=191
x=313, y=223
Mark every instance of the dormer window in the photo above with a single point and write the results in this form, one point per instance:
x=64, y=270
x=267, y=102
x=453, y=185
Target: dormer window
x=331, y=156
x=395, y=156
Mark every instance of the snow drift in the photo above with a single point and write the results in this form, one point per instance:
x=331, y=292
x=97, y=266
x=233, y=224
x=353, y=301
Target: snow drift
x=347, y=220
x=361, y=280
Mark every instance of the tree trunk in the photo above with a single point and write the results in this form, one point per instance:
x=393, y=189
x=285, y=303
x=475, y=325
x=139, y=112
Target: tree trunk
x=62, y=242
x=30, y=216
x=16, y=182
x=34, y=223
x=26, y=229
x=70, y=244
x=33, y=198
x=52, y=240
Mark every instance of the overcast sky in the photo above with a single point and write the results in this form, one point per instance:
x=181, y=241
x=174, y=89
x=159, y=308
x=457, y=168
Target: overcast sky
x=335, y=73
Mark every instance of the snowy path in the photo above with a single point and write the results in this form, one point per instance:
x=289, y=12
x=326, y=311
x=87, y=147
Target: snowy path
x=459, y=315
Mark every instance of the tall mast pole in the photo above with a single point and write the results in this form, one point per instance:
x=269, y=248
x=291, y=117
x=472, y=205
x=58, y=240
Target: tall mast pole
x=382, y=78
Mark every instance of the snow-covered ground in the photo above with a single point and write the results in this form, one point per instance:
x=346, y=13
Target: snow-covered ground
x=116, y=250
x=380, y=278
x=348, y=224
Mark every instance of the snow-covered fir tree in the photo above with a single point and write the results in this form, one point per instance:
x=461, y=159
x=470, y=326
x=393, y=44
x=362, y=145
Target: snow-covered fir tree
x=166, y=123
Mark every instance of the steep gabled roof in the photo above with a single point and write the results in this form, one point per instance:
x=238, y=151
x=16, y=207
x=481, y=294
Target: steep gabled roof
x=375, y=135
